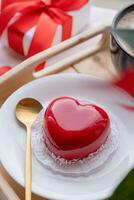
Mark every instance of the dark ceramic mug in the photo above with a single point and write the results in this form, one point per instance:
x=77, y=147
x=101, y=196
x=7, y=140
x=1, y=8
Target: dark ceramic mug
x=122, y=60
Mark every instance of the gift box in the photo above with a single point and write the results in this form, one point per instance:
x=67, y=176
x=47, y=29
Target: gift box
x=35, y=25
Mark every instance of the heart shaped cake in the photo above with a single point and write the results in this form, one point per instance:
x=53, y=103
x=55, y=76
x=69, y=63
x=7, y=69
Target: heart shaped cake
x=72, y=130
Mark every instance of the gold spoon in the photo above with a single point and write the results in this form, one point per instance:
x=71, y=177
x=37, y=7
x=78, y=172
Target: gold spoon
x=27, y=111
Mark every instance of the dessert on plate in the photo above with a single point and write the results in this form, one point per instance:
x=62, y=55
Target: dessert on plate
x=73, y=130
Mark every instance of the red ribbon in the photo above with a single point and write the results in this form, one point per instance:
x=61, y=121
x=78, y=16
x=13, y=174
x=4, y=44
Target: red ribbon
x=46, y=15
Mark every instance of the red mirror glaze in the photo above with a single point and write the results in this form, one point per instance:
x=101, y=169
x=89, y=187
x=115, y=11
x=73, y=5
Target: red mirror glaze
x=72, y=130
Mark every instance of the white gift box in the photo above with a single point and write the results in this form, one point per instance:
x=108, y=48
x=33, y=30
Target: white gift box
x=80, y=21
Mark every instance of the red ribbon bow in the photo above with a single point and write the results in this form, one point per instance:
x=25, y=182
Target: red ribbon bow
x=46, y=15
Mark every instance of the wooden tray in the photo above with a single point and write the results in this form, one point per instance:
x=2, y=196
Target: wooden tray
x=94, y=60
x=24, y=72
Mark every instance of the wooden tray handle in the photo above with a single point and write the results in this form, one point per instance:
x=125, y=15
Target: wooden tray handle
x=71, y=60
x=24, y=72
x=6, y=192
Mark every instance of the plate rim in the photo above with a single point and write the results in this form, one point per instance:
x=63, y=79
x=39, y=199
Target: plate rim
x=53, y=195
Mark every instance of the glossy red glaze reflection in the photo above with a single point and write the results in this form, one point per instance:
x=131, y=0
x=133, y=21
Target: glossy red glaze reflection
x=72, y=130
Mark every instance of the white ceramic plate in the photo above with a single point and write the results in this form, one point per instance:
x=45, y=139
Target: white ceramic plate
x=99, y=184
